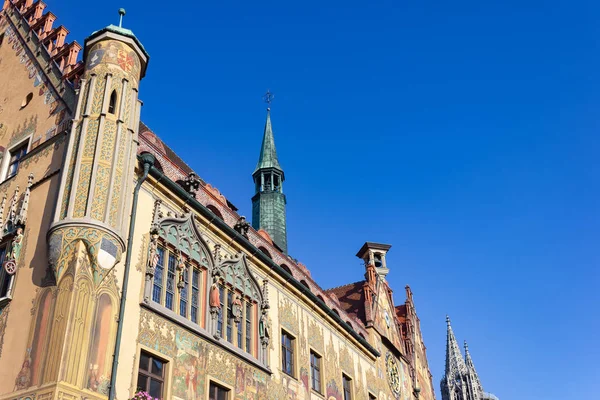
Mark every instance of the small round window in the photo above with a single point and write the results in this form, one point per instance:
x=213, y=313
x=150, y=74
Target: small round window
x=27, y=100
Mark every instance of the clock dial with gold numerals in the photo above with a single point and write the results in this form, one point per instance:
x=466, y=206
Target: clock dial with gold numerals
x=393, y=372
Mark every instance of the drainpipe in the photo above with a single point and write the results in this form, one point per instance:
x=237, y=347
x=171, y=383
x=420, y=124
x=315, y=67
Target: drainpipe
x=147, y=161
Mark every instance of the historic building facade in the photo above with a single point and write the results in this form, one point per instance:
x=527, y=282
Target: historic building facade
x=460, y=381
x=122, y=270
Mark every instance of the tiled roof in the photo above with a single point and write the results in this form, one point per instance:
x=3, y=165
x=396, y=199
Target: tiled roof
x=351, y=298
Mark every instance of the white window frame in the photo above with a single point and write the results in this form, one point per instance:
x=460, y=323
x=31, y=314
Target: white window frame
x=7, y=156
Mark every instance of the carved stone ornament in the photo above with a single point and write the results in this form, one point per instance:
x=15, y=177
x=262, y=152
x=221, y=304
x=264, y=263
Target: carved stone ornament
x=237, y=309
x=191, y=183
x=242, y=227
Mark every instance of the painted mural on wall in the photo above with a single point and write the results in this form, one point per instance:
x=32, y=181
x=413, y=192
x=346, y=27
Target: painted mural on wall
x=116, y=53
x=385, y=317
x=41, y=87
x=86, y=311
x=194, y=358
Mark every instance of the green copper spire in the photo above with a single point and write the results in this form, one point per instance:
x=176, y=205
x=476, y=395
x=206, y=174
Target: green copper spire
x=268, y=202
x=268, y=153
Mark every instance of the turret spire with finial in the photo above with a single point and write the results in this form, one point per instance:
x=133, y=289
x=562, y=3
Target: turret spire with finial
x=455, y=364
x=268, y=203
x=473, y=377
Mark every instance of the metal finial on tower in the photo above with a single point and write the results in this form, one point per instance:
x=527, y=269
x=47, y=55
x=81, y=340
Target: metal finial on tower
x=466, y=347
x=447, y=320
x=268, y=98
x=121, y=14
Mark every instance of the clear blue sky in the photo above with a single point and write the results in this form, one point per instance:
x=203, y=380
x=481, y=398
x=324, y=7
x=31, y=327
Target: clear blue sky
x=464, y=133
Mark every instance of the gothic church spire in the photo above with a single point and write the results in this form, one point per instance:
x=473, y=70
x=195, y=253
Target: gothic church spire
x=455, y=365
x=473, y=378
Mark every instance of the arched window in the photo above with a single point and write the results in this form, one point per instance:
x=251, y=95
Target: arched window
x=265, y=251
x=112, y=105
x=215, y=211
x=336, y=311
x=303, y=282
x=321, y=298
x=348, y=322
x=288, y=270
x=362, y=336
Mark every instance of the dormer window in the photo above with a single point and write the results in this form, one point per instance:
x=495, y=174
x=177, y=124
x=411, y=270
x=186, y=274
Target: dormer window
x=112, y=105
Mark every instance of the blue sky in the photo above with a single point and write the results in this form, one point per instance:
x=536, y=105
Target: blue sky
x=463, y=133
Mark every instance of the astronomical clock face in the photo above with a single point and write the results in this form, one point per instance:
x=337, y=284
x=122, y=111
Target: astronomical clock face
x=393, y=373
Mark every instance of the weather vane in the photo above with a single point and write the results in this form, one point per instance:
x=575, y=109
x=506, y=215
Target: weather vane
x=268, y=98
x=121, y=13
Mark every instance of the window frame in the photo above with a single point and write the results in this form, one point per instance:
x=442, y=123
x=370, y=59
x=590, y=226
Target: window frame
x=349, y=390
x=7, y=163
x=292, y=350
x=319, y=368
x=226, y=328
x=148, y=372
x=167, y=252
x=218, y=385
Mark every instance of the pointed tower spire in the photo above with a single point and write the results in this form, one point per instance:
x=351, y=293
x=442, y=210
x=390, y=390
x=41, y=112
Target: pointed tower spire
x=268, y=203
x=475, y=383
x=455, y=364
x=268, y=153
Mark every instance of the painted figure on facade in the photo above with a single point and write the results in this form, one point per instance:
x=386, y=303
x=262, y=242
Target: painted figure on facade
x=214, y=302
x=24, y=377
x=17, y=242
x=153, y=254
x=191, y=379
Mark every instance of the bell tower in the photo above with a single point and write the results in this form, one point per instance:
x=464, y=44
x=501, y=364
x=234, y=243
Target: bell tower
x=373, y=254
x=97, y=180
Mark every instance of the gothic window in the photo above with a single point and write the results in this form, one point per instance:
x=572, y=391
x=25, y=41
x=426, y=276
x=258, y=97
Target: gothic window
x=183, y=272
x=195, y=294
x=170, y=282
x=249, y=327
x=220, y=317
x=186, y=301
x=229, y=315
x=239, y=334
x=158, y=276
x=112, y=104
x=183, y=296
x=27, y=100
